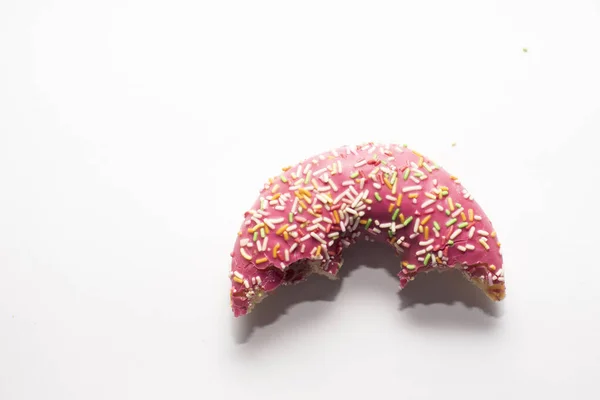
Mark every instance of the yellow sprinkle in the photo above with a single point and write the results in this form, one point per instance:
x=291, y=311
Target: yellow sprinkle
x=399, y=201
x=426, y=220
x=391, y=207
x=413, y=195
x=454, y=178
x=284, y=169
x=267, y=230
x=363, y=221
x=498, y=243
x=450, y=204
x=238, y=280
x=285, y=235
x=239, y=233
x=420, y=162
x=420, y=228
x=262, y=260
x=401, y=218
x=395, y=186
x=368, y=201
x=492, y=267
x=430, y=195
x=314, y=183
x=244, y=254
x=471, y=214
x=484, y=244
x=336, y=217
x=282, y=229
x=256, y=227
x=387, y=183
x=275, y=249
x=275, y=188
x=463, y=216
x=314, y=214
x=426, y=233
x=318, y=251
x=305, y=192
x=493, y=234
x=302, y=204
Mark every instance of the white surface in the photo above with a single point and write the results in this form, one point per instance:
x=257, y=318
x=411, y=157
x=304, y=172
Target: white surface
x=134, y=134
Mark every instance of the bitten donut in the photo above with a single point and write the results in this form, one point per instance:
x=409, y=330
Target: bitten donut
x=307, y=215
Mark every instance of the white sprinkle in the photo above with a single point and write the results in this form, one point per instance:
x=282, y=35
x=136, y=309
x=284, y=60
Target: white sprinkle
x=435, y=182
x=342, y=226
x=356, y=224
x=390, y=198
x=236, y=273
x=351, y=211
x=334, y=186
x=457, y=212
x=413, y=235
x=253, y=280
x=371, y=149
x=324, y=188
x=299, y=171
x=362, y=184
x=295, y=205
x=259, y=246
x=328, y=220
x=333, y=235
x=440, y=254
x=305, y=238
x=429, y=248
x=319, y=172
x=280, y=208
x=302, y=248
x=426, y=243
x=276, y=221
x=421, y=252
x=265, y=241
x=324, y=250
x=393, y=227
x=360, y=164
x=439, y=207
x=339, y=167
x=348, y=183
x=313, y=228
x=246, y=284
x=417, y=223
x=287, y=255
x=244, y=242
x=317, y=237
x=477, y=218
x=376, y=185
x=385, y=225
x=436, y=233
x=273, y=202
x=415, y=180
x=307, y=168
x=462, y=248
x=455, y=233
x=470, y=247
x=293, y=247
x=427, y=203
x=291, y=227
x=353, y=191
x=376, y=230
x=411, y=188
x=483, y=233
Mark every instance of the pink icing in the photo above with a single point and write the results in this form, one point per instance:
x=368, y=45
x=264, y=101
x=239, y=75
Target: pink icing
x=438, y=225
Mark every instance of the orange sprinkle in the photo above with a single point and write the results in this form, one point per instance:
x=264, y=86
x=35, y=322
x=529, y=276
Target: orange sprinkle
x=444, y=188
x=498, y=243
x=391, y=207
x=399, y=201
x=270, y=180
x=286, y=168
x=420, y=162
x=305, y=192
x=426, y=232
x=303, y=204
x=387, y=183
x=493, y=234
x=286, y=236
x=237, y=279
x=363, y=221
x=267, y=230
x=426, y=219
x=450, y=204
x=262, y=260
x=275, y=250
x=276, y=196
x=492, y=267
x=401, y=218
x=413, y=195
x=463, y=216
x=336, y=216
x=318, y=251
x=256, y=227
x=471, y=214
x=404, y=263
x=454, y=178
x=282, y=229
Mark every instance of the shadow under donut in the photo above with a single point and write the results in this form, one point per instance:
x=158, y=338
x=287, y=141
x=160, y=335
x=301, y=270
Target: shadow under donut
x=431, y=288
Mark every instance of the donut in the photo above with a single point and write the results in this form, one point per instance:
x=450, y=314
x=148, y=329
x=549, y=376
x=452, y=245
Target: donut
x=308, y=214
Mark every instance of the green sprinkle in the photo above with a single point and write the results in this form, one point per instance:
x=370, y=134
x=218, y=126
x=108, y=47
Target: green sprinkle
x=411, y=267
x=447, y=212
x=436, y=225
x=390, y=233
x=457, y=205
x=444, y=193
x=450, y=242
x=291, y=217
x=262, y=232
x=255, y=238
x=368, y=223
x=406, y=173
x=395, y=214
x=283, y=179
x=525, y=50
x=408, y=220
x=451, y=222
x=405, y=145
x=354, y=174
x=308, y=174
x=427, y=258
x=377, y=196
x=463, y=225
x=394, y=176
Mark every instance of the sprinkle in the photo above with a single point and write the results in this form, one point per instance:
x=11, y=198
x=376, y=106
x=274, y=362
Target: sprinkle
x=395, y=214
x=401, y=218
x=451, y=222
x=463, y=225
x=245, y=254
x=291, y=227
x=413, y=196
x=439, y=207
x=471, y=232
x=390, y=198
x=470, y=214
x=426, y=243
x=294, y=246
x=368, y=223
x=275, y=250
x=428, y=203
x=408, y=220
x=354, y=174
x=447, y=212
x=360, y=163
x=457, y=213
x=406, y=173
x=285, y=235
x=287, y=255
x=483, y=233
x=348, y=183
x=415, y=179
x=450, y=243
x=262, y=260
x=427, y=258
x=255, y=237
x=283, y=228
x=317, y=237
x=455, y=234
x=484, y=244
x=377, y=196
x=450, y=204
x=421, y=252
x=462, y=248
x=399, y=200
x=237, y=279
x=470, y=247
x=417, y=224
x=426, y=232
x=410, y=267
x=436, y=225
x=318, y=252
x=302, y=248
x=478, y=218
x=426, y=220
x=275, y=188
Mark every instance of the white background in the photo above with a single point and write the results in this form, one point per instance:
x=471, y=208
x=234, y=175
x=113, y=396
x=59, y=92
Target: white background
x=134, y=134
